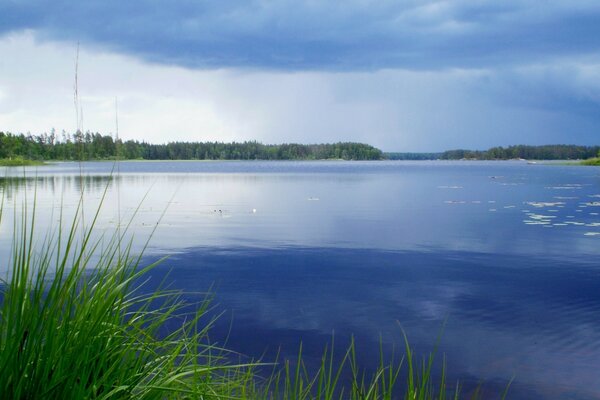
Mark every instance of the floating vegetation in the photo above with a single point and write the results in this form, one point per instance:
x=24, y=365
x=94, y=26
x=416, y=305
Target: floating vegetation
x=532, y=222
x=539, y=219
x=539, y=216
x=555, y=207
x=547, y=214
x=511, y=184
x=542, y=204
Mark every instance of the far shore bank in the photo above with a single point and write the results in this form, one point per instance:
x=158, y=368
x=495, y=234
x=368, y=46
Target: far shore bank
x=23, y=162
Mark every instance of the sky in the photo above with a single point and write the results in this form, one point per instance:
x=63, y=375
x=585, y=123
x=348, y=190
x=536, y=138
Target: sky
x=400, y=75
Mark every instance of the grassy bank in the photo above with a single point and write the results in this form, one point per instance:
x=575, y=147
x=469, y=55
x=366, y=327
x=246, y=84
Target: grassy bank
x=592, y=161
x=76, y=323
x=18, y=162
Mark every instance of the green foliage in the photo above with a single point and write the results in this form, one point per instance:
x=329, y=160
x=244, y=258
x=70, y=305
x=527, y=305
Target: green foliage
x=412, y=156
x=18, y=162
x=547, y=152
x=592, y=161
x=94, y=146
x=73, y=325
x=294, y=382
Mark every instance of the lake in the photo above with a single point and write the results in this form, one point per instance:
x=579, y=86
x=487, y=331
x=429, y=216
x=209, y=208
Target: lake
x=499, y=260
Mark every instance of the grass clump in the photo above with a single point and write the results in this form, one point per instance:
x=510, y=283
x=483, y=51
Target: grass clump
x=18, y=162
x=343, y=379
x=74, y=325
x=592, y=161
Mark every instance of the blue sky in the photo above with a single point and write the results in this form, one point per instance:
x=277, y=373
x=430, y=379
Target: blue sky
x=402, y=75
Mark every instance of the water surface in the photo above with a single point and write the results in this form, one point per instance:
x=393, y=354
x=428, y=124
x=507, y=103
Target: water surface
x=502, y=255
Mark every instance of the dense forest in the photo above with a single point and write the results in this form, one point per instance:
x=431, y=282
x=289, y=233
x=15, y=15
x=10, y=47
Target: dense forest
x=94, y=146
x=412, y=156
x=547, y=152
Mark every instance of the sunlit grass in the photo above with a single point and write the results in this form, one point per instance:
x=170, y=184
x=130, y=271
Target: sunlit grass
x=18, y=162
x=74, y=324
x=404, y=377
x=592, y=161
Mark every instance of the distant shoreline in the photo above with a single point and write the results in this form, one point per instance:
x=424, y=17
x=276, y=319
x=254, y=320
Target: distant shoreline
x=517, y=152
x=35, y=163
x=20, y=149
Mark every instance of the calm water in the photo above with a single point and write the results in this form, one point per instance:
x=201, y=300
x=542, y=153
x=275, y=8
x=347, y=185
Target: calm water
x=503, y=256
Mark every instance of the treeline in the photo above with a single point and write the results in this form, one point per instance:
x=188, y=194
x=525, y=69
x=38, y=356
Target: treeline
x=412, y=156
x=546, y=152
x=94, y=146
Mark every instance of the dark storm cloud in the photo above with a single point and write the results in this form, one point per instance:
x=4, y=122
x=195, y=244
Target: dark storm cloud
x=403, y=75
x=301, y=35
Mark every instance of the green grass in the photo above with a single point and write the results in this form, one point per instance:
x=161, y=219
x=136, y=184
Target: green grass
x=592, y=161
x=75, y=323
x=18, y=162
x=386, y=382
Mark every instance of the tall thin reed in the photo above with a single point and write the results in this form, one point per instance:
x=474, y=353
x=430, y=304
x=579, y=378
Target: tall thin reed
x=344, y=379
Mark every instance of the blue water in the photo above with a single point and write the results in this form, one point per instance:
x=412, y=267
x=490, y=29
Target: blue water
x=500, y=258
